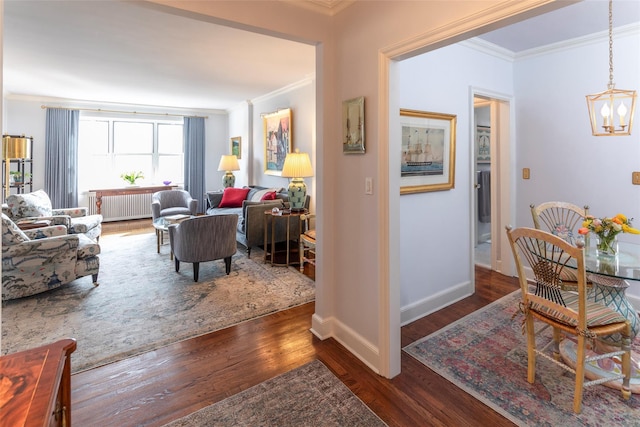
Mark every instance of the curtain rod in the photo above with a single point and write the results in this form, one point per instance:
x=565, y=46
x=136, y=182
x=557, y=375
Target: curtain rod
x=99, y=110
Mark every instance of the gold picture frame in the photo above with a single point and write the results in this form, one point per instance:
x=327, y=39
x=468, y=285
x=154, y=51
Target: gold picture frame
x=428, y=151
x=353, y=126
x=235, y=147
x=278, y=140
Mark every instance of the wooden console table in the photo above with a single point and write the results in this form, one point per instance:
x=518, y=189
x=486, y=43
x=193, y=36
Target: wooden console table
x=35, y=386
x=125, y=191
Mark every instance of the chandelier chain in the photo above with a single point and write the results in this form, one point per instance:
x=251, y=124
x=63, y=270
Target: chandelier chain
x=611, y=84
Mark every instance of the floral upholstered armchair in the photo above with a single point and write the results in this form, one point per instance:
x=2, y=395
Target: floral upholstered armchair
x=42, y=259
x=37, y=206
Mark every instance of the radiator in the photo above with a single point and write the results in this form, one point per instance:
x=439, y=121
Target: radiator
x=118, y=208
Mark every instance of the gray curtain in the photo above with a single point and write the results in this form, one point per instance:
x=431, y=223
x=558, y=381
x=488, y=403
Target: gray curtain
x=194, y=144
x=61, y=157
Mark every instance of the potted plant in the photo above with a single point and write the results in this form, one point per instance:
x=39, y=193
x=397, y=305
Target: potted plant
x=132, y=177
x=16, y=176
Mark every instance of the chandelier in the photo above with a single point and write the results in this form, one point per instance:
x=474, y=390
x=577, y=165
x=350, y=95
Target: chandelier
x=608, y=110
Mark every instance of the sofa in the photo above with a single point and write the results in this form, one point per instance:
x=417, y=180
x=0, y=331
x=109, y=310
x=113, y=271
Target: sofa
x=42, y=259
x=250, y=203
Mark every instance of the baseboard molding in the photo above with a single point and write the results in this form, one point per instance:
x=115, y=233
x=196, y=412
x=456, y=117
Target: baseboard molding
x=348, y=338
x=433, y=303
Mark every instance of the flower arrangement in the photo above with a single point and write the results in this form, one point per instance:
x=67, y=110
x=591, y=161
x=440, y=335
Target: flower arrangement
x=132, y=177
x=606, y=230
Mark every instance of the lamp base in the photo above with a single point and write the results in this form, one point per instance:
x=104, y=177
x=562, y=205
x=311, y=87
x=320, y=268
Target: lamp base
x=228, y=179
x=297, y=194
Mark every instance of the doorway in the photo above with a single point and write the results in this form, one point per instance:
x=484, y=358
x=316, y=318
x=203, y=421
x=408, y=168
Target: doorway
x=492, y=168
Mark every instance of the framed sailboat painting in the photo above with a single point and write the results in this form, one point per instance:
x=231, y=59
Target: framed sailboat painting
x=428, y=151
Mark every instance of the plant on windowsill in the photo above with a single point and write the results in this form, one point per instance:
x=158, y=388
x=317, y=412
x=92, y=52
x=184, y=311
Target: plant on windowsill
x=16, y=177
x=132, y=177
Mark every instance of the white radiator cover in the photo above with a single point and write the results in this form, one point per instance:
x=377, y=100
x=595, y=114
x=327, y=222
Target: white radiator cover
x=119, y=208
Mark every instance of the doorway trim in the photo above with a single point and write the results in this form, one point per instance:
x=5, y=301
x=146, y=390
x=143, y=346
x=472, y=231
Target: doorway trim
x=502, y=151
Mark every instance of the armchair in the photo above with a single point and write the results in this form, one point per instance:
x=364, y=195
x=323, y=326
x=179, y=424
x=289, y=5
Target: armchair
x=37, y=206
x=172, y=202
x=42, y=259
x=204, y=238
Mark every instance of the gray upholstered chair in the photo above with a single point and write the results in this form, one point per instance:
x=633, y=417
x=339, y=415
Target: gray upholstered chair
x=172, y=202
x=204, y=238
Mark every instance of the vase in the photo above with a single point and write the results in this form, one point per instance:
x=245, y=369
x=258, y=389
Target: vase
x=607, y=245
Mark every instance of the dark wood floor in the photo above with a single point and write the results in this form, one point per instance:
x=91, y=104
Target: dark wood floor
x=163, y=385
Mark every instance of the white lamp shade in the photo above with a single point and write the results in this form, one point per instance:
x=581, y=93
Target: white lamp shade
x=228, y=163
x=297, y=165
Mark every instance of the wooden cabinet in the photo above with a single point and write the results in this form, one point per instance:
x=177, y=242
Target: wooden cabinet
x=35, y=386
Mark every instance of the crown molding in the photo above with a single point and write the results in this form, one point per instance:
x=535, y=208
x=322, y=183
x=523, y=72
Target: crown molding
x=324, y=7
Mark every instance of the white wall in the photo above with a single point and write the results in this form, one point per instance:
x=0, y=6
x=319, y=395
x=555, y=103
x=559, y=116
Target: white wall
x=302, y=101
x=554, y=135
x=435, y=228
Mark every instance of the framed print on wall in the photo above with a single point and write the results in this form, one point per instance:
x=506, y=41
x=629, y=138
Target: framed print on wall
x=236, y=147
x=353, y=126
x=483, y=144
x=277, y=140
x=428, y=151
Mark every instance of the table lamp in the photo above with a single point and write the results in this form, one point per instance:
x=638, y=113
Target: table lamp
x=13, y=147
x=297, y=166
x=228, y=163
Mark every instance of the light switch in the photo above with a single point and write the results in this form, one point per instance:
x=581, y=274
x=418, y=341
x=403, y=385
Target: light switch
x=635, y=178
x=368, y=185
x=526, y=173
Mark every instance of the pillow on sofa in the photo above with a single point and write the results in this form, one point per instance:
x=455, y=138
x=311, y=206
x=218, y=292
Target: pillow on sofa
x=37, y=203
x=271, y=195
x=257, y=196
x=11, y=233
x=233, y=197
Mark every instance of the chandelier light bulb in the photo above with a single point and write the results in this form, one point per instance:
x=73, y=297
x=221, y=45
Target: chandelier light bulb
x=622, y=112
x=605, y=111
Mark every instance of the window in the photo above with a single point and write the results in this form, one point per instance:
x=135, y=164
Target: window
x=109, y=147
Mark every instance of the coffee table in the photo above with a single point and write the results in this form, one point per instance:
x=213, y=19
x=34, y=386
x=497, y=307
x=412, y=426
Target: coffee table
x=161, y=226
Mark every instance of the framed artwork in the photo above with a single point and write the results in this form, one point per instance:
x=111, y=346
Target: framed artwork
x=428, y=151
x=353, y=126
x=277, y=140
x=236, y=147
x=483, y=144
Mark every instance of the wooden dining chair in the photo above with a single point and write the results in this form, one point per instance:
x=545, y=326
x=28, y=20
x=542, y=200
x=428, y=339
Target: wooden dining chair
x=307, y=247
x=559, y=218
x=567, y=312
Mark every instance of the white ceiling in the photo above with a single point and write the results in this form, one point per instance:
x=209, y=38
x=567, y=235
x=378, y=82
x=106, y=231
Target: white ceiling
x=123, y=52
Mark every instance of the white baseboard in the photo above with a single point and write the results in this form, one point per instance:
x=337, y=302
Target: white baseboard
x=361, y=348
x=433, y=303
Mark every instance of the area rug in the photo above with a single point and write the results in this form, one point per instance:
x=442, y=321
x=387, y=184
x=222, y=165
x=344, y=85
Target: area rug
x=307, y=396
x=142, y=303
x=485, y=354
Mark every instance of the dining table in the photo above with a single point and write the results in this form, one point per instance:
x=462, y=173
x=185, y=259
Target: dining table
x=610, y=277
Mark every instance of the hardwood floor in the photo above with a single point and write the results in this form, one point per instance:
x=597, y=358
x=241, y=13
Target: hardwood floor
x=168, y=383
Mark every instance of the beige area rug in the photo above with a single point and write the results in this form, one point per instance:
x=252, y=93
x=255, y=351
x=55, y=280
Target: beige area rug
x=143, y=304
x=307, y=396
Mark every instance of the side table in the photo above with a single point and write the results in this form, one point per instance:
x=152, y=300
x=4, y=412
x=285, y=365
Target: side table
x=270, y=218
x=36, y=385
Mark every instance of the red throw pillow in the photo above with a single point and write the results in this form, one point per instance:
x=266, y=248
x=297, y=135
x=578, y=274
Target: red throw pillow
x=233, y=197
x=271, y=195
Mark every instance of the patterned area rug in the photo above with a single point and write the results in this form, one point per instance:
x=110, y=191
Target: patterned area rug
x=142, y=303
x=307, y=396
x=485, y=354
